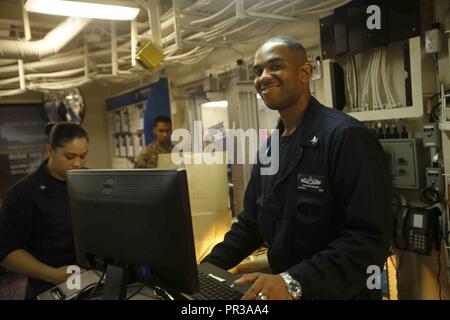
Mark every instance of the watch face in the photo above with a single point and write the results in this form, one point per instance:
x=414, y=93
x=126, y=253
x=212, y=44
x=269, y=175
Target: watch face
x=295, y=288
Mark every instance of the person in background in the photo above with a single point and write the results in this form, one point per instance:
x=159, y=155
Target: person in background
x=162, y=128
x=326, y=216
x=35, y=224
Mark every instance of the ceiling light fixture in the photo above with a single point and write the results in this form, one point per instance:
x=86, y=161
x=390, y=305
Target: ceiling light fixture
x=94, y=9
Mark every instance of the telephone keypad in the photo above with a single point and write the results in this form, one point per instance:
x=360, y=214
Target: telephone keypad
x=417, y=240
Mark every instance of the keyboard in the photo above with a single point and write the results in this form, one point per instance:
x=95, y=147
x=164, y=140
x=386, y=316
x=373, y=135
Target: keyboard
x=212, y=289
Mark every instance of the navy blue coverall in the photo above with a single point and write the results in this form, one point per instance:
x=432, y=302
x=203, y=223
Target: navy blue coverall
x=35, y=216
x=326, y=216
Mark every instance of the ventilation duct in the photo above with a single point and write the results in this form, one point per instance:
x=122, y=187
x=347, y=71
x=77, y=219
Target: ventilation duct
x=52, y=43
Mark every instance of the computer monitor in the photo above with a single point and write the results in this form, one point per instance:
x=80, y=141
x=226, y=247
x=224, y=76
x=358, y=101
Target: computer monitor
x=134, y=217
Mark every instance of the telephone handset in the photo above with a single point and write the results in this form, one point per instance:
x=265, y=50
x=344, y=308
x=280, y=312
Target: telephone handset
x=416, y=229
x=400, y=227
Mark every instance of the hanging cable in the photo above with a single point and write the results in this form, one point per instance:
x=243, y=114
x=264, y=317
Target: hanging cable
x=348, y=74
x=355, y=82
x=365, y=93
x=390, y=97
x=212, y=17
x=439, y=274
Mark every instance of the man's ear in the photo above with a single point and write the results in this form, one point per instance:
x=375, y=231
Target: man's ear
x=305, y=72
x=50, y=150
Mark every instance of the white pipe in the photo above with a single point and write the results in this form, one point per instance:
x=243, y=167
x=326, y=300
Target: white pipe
x=372, y=83
x=7, y=62
x=9, y=81
x=391, y=99
x=21, y=74
x=86, y=59
x=215, y=15
x=355, y=84
x=59, y=85
x=26, y=26
x=26, y=22
x=349, y=80
x=374, y=77
x=366, y=83
x=133, y=42
x=53, y=41
x=58, y=74
x=4, y=93
x=66, y=54
x=115, y=67
x=199, y=4
x=76, y=61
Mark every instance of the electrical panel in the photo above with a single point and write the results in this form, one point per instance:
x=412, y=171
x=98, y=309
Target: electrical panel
x=340, y=30
x=360, y=37
x=348, y=30
x=327, y=41
x=406, y=164
x=338, y=86
x=406, y=16
x=431, y=135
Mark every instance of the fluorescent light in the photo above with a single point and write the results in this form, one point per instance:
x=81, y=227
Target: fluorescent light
x=109, y=10
x=216, y=104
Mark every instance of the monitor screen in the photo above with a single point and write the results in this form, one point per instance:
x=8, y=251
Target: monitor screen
x=135, y=217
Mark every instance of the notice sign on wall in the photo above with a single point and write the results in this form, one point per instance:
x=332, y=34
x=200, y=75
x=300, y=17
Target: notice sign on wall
x=22, y=141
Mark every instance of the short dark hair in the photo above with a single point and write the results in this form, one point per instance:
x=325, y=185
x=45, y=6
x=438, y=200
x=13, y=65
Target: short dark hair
x=161, y=118
x=64, y=132
x=291, y=42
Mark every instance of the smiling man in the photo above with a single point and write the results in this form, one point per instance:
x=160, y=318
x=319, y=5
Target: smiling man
x=326, y=215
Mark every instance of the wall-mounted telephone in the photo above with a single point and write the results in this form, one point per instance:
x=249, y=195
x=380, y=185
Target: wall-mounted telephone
x=416, y=229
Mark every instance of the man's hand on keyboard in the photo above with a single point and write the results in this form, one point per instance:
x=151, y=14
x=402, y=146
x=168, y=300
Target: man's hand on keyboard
x=265, y=286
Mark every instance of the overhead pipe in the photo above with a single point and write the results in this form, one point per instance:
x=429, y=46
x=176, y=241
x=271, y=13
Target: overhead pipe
x=52, y=43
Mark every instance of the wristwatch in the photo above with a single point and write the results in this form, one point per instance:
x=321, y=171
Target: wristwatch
x=293, y=286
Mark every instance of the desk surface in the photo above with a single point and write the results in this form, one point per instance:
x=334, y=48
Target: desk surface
x=91, y=277
x=256, y=263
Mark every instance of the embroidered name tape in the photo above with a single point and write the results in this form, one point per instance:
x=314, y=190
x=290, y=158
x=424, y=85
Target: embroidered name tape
x=312, y=183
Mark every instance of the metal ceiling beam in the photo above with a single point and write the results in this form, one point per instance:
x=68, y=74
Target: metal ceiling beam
x=114, y=56
x=134, y=34
x=177, y=22
x=154, y=13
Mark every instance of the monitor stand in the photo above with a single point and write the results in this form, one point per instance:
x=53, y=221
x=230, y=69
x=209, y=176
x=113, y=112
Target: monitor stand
x=115, y=282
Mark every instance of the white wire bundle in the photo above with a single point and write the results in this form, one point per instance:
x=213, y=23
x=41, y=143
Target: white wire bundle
x=355, y=83
x=376, y=99
x=322, y=7
x=214, y=16
x=348, y=78
x=351, y=84
x=365, y=93
x=376, y=69
x=390, y=98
